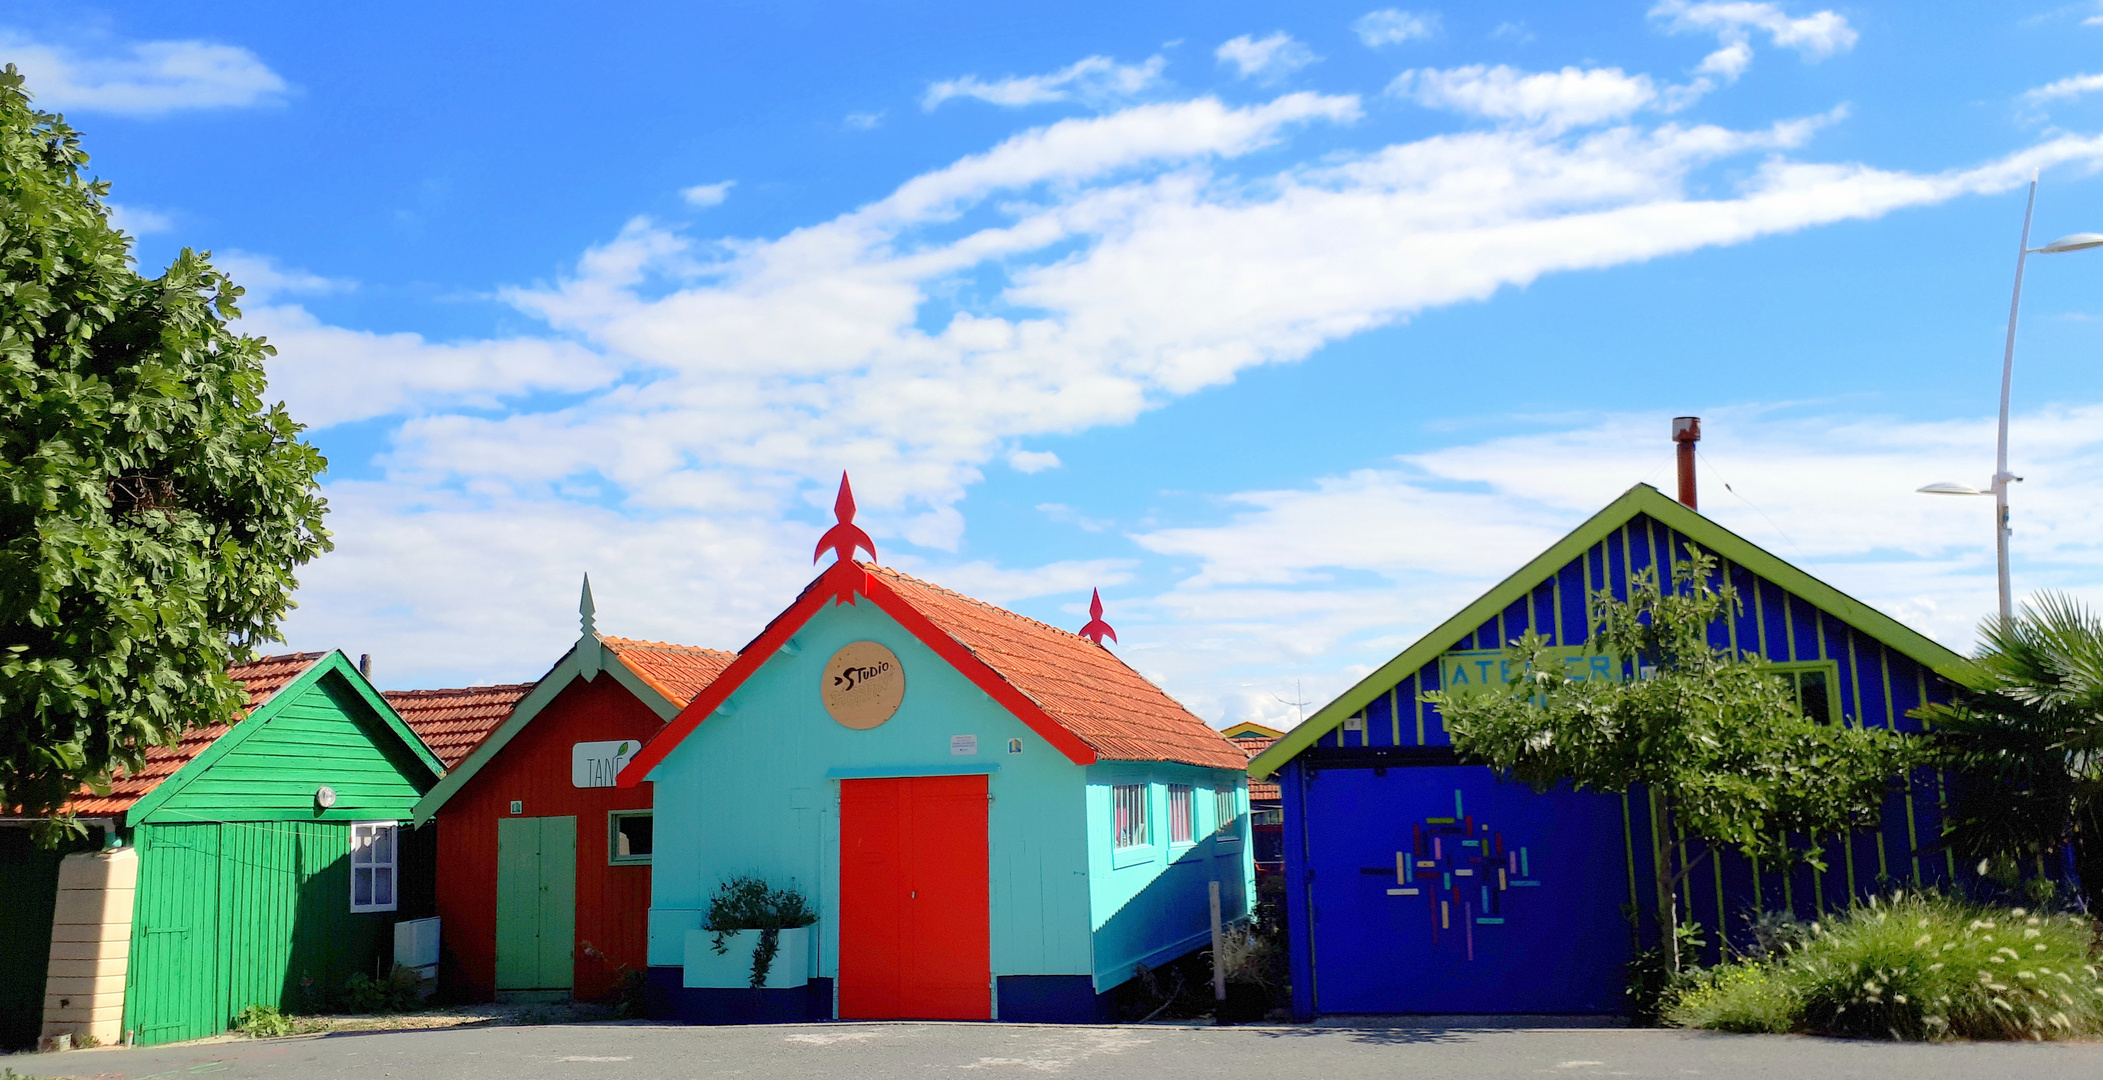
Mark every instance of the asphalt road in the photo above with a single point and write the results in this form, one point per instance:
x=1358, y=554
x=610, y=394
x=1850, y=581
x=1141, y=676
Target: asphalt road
x=978, y=1051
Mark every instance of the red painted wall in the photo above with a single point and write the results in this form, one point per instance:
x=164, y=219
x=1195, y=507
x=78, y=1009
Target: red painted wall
x=613, y=902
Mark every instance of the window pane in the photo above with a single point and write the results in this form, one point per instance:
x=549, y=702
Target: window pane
x=361, y=845
x=383, y=845
x=1812, y=698
x=361, y=887
x=1129, y=801
x=383, y=887
x=1179, y=812
x=634, y=832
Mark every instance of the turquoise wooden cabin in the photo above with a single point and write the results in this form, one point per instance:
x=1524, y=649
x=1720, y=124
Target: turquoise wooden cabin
x=993, y=818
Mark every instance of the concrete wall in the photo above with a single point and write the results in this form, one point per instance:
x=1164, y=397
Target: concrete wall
x=90, y=946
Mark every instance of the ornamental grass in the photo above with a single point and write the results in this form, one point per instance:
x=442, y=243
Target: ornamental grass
x=1915, y=967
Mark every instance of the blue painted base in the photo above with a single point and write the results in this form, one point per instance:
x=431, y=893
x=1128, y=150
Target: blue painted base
x=666, y=999
x=1051, y=999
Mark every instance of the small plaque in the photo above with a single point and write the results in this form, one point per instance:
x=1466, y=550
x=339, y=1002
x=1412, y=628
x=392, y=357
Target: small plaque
x=963, y=746
x=862, y=685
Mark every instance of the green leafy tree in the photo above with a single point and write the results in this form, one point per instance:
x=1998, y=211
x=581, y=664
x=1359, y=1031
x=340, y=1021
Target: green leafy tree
x=152, y=508
x=2025, y=742
x=1715, y=737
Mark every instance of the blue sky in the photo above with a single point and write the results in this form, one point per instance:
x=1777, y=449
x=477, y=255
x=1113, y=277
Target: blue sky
x=1290, y=327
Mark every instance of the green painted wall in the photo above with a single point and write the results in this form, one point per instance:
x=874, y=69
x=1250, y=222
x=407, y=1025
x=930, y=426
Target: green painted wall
x=749, y=793
x=325, y=733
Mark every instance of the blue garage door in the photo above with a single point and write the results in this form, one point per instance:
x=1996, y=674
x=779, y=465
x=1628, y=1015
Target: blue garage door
x=1441, y=889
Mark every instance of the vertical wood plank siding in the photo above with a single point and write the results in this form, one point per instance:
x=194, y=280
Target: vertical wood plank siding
x=612, y=902
x=1877, y=687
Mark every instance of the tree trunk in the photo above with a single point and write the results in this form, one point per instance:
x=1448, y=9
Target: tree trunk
x=1668, y=899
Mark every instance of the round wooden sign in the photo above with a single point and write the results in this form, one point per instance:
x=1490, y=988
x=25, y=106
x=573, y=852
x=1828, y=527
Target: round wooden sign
x=862, y=685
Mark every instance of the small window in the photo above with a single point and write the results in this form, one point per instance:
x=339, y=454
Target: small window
x=1225, y=809
x=374, y=861
x=1129, y=801
x=1814, y=682
x=1181, y=808
x=628, y=836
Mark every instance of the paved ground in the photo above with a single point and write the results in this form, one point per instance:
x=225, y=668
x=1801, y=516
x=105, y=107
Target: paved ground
x=981, y=1051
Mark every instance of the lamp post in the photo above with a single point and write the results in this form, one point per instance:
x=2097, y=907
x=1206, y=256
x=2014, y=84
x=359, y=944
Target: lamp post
x=2001, y=477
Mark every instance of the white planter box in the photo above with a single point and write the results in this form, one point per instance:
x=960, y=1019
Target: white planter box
x=704, y=968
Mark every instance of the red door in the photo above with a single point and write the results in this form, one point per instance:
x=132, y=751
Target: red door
x=914, y=939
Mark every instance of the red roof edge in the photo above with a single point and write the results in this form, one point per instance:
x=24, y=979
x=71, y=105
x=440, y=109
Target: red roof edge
x=814, y=598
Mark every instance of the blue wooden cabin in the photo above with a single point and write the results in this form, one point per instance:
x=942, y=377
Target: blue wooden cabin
x=1419, y=885
x=994, y=818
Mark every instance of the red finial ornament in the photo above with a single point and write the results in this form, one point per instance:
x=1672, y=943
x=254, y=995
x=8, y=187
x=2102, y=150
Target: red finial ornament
x=1097, y=629
x=843, y=538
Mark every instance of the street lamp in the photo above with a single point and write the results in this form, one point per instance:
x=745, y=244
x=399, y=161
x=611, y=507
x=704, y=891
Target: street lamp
x=2001, y=477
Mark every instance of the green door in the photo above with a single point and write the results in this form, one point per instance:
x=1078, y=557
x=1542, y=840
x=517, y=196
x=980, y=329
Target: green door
x=536, y=905
x=173, y=986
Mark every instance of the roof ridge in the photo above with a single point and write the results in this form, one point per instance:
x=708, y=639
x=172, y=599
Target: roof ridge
x=644, y=643
x=946, y=591
x=463, y=689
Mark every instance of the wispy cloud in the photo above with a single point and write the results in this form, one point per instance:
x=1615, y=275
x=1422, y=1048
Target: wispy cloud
x=138, y=220
x=1554, y=99
x=1094, y=80
x=707, y=194
x=2070, y=87
x=1265, y=59
x=1393, y=26
x=864, y=121
x=150, y=78
x=1033, y=461
x=1814, y=37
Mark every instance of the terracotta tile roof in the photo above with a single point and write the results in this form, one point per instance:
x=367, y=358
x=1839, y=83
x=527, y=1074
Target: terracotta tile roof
x=1252, y=745
x=677, y=671
x=262, y=678
x=1081, y=685
x=453, y=722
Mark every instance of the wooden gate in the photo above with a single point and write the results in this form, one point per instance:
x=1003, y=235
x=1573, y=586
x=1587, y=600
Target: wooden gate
x=914, y=923
x=536, y=906
x=173, y=987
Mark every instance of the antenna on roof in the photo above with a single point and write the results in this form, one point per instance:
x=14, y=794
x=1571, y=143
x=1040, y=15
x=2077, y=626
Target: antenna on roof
x=845, y=535
x=586, y=623
x=1097, y=629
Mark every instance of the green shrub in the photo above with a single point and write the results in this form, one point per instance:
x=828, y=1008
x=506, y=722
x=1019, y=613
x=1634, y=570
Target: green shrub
x=264, y=1022
x=396, y=993
x=749, y=903
x=1651, y=984
x=1915, y=967
x=1751, y=999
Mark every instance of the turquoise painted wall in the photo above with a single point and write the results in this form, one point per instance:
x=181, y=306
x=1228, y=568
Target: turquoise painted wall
x=749, y=792
x=1150, y=904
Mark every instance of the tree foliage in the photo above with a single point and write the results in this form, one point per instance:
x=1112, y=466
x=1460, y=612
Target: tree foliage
x=152, y=508
x=1716, y=737
x=2025, y=742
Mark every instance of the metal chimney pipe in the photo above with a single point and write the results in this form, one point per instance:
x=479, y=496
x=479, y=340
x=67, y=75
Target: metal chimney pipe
x=365, y=664
x=1686, y=431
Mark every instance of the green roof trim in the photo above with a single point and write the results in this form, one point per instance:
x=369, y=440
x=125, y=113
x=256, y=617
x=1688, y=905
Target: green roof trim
x=575, y=664
x=254, y=722
x=1638, y=500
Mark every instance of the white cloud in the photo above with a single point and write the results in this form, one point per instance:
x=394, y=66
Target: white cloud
x=1265, y=59
x=1554, y=99
x=137, y=220
x=2070, y=87
x=148, y=78
x=1392, y=26
x=707, y=194
x=1814, y=37
x=683, y=417
x=864, y=121
x=1033, y=461
x=1094, y=80
x=264, y=277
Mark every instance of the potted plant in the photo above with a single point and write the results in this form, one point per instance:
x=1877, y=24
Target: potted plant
x=759, y=932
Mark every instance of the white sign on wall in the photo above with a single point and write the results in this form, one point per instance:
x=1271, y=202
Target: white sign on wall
x=598, y=764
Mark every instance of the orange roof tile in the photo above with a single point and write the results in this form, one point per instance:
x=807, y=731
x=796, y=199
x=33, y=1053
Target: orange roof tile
x=262, y=678
x=677, y=671
x=1253, y=745
x=453, y=722
x=1081, y=685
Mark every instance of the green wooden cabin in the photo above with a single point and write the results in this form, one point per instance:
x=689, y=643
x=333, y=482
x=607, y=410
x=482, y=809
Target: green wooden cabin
x=271, y=858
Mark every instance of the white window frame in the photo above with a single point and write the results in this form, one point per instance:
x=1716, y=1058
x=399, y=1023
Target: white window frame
x=363, y=858
x=613, y=838
x=1226, y=811
x=1185, y=821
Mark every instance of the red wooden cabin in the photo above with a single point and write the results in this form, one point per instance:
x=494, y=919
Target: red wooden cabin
x=544, y=888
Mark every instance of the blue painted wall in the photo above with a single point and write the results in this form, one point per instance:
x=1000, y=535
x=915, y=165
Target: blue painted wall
x=1342, y=817
x=756, y=791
